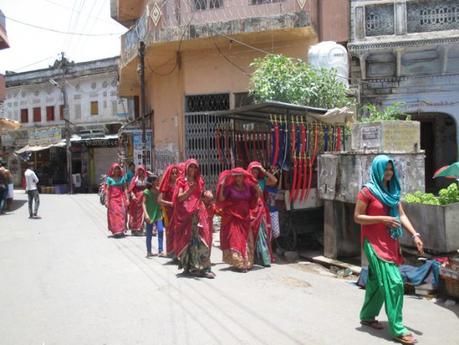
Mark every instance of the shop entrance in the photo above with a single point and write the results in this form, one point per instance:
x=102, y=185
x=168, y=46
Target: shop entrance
x=439, y=141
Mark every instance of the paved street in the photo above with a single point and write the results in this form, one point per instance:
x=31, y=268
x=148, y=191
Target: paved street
x=64, y=281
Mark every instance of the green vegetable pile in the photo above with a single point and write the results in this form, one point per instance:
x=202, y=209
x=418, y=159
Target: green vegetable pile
x=446, y=196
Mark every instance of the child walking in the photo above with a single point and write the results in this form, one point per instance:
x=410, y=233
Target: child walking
x=153, y=214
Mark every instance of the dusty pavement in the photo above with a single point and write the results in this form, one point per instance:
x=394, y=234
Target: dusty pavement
x=64, y=281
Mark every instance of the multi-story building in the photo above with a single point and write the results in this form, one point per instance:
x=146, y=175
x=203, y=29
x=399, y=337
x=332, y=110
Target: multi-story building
x=198, y=52
x=96, y=113
x=407, y=51
x=3, y=45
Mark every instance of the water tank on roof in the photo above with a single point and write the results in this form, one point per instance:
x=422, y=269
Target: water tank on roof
x=330, y=54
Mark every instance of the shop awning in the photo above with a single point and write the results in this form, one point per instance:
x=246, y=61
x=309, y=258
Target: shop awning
x=8, y=125
x=263, y=111
x=29, y=148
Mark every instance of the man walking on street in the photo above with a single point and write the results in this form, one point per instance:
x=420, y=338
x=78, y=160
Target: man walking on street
x=32, y=191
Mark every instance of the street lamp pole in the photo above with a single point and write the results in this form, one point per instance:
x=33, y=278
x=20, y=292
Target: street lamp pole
x=67, y=125
x=141, y=71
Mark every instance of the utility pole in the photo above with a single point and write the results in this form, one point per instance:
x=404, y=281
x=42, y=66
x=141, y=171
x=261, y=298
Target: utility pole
x=67, y=124
x=141, y=71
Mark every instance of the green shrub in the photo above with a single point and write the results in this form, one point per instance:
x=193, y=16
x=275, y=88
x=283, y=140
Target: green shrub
x=446, y=196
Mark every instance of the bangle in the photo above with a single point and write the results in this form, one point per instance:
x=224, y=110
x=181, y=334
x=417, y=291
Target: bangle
x=416, y=234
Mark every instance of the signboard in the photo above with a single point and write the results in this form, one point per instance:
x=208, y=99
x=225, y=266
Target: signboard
x=102, y=142
x=370, y=137
x=44, y=136
x=138, y=148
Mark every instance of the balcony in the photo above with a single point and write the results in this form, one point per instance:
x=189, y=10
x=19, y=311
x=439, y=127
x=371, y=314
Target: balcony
x=126, y=12
x=188, y=20
x=3, y=36
x=388, y=23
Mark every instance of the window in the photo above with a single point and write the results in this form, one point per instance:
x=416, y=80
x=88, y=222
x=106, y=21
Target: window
x=24, y=115
x=77, y=111
x=37, y=114
x=261, y=2
x=243, y=98
x=201, y=103
x=61, y=112
x=94, y=108
x=114, y=108
x=50, y=114
x=201, y=5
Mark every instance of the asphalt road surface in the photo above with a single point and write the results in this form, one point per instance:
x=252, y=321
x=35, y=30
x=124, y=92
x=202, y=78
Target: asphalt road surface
x=65, y=281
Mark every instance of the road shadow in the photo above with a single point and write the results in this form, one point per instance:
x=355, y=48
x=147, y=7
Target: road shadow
x=235, y=270
x=379, y=333
x=16, y=204
x=384, y=333
x=454, y=309
x=188, y=276
x=116, y=237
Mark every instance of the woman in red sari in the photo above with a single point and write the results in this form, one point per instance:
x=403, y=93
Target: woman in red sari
x=261, y=219
x=191, y=223
x=116, y=200
x=136, y=188
x=237, y=194
x=166, y=189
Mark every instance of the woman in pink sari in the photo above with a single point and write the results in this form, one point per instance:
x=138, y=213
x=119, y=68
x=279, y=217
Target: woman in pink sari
x=261, y=219
x=166, y=189
x=136, y=188
x=116, y=200
x=191, y=223
x=237, y=194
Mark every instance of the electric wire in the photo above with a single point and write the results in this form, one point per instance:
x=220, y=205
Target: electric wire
x=230, y=61
x=85, y=24
x=70, y=9
x=75, y=25
x=34, y=63
x=63, y=32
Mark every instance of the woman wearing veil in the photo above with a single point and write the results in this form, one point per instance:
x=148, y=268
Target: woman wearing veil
x=136, y=188
x=237, y=195
x=381, y=215
x=191, y=223
x=116, y=200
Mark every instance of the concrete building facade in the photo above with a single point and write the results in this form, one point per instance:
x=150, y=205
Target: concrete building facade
x=198, y=53
x=407, y=51
x=3, y=45
x=96, y=113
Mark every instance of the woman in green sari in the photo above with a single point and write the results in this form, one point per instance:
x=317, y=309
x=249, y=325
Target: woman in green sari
x=383, y=219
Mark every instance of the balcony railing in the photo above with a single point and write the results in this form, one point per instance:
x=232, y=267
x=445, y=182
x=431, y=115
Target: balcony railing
x=168, y=21
x=386, y=18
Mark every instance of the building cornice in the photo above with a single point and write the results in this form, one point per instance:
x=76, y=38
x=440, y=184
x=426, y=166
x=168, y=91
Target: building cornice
x=394, y=43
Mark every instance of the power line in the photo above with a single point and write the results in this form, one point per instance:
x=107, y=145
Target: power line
x=230, y=61
x=34, y=63
x=63, y=32
x=73, y=10
x=178, y=50
x=83, y=28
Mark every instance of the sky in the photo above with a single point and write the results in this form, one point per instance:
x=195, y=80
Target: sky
x=32, y=48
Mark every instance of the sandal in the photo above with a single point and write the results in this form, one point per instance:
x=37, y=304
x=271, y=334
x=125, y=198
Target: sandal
x=407, y=339
x=375, y=324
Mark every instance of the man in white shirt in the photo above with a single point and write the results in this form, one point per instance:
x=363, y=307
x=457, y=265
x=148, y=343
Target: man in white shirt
x=32, y=191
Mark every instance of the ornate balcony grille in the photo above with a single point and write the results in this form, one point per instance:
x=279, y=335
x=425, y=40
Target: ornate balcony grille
x=433, y=15
x=379, y=20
